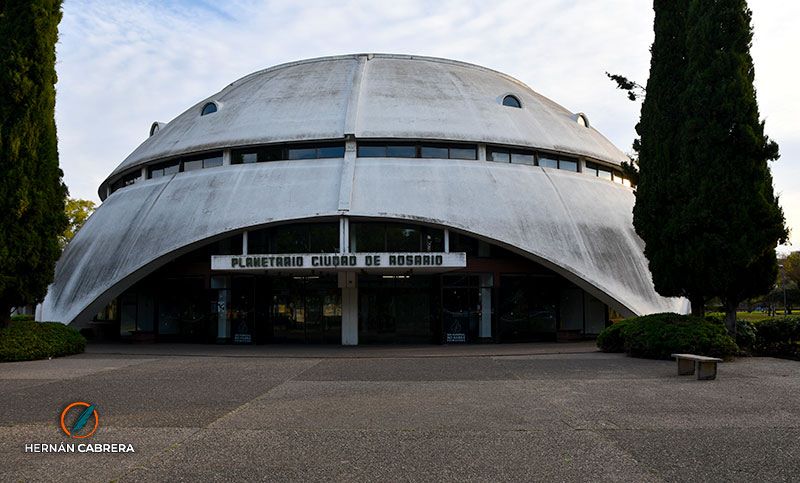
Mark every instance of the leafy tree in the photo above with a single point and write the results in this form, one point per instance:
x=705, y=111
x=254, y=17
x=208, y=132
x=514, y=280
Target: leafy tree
x=733, y=221
x=31, y=191
x=77, y=211
x=705, y=205
x=791, y=267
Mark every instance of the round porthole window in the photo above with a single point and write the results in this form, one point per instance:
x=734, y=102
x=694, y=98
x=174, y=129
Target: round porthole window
x=208, y=108
x=512, y=101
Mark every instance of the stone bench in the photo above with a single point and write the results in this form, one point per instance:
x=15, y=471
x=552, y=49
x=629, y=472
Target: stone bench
x=706, y=366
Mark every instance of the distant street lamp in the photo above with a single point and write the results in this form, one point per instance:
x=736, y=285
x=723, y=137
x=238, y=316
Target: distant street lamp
x=783, y=283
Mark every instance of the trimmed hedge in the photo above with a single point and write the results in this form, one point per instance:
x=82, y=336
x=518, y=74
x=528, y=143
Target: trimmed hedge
x=25, y=340
x=658, y=336
x=778, y=337
x=610, y=339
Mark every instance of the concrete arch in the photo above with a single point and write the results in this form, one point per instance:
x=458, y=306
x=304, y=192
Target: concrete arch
x=574, y=223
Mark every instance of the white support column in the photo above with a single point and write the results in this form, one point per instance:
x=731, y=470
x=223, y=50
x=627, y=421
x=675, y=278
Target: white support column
x=222, y=284
x=226, y=157
x=446, y=240
x=344, y=234
x=144, y=173
x=244, y=243
x=481, y=152
x=485, y=327
x=348, y=282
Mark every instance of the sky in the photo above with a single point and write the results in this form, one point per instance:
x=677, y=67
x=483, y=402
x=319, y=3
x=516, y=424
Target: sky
x=124, y=64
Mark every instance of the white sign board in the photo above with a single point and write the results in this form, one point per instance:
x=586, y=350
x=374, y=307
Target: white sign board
x=338, y=262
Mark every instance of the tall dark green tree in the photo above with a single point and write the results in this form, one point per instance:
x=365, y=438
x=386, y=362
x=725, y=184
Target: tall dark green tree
x=705, y=205
x=734, y=213
x=662, y=194
x=32, y=194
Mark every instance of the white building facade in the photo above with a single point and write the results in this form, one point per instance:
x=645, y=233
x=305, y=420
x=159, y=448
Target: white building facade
x=365, y=198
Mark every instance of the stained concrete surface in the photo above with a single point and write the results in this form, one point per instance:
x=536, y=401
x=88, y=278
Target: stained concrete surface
x=478, y=413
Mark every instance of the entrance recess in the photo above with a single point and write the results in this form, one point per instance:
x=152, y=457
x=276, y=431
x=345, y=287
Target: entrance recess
x=306, y=310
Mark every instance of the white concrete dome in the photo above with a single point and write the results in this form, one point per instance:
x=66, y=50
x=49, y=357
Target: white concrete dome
x=573, y=223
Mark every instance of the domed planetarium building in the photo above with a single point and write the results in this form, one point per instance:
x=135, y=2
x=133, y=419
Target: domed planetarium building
x=362, y=199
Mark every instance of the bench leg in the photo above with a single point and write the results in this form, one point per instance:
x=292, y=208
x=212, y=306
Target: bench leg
x=685, y=367
x=706, y=371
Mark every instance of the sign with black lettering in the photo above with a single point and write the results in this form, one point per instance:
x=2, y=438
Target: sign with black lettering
x=336, y=262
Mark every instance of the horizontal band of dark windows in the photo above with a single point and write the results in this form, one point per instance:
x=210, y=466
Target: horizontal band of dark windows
x=286, y=152
x=554, y=161
x=531, y=158
x=416, y=150
x=209, y=160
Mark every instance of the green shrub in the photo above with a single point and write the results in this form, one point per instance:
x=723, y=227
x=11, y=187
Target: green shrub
x=778, y=337
x=658, y=336
x=745, y=336
x=22, y=318
x=610, y=339
x=27, y=340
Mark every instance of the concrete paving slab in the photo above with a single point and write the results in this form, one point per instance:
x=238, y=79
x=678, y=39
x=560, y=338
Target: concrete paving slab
x=400, y=406
x=502, y=417
x=321, y=455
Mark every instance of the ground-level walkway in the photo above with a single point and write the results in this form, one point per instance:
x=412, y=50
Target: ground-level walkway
x=460, y=413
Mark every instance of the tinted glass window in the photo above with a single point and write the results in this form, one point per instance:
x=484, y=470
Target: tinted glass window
x=245, y=158
x=192, y=165
x=463, y=153
x=171, y=169
x=331, y=152
x=499, y=156
x=568, y=165
x=302, y=153
x=548, y=162
x=432, y=240
x=367, y=237
x=323, y=237
x=511, y=101
x=522, y=158
x=212, y=162
x=400, y=151
x=291, y=239
x=604, y=173
x=434, y=152
x=400, y=238
x=371, y=151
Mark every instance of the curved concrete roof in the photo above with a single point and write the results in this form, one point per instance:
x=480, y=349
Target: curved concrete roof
x=575, y=224
x=373, y=96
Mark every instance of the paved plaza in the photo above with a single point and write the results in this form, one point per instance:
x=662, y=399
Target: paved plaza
x=545, y=412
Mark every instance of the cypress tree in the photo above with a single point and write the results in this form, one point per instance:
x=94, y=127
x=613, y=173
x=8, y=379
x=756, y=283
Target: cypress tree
x=32, y=194
x=661, y=194
x=705, y=205
x=733, y=220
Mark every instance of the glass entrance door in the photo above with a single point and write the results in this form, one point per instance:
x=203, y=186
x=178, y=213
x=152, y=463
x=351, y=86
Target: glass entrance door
x=461, y=308
x=305, y=310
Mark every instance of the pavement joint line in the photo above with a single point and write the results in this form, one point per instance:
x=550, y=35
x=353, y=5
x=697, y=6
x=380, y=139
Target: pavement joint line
x=241, y=407
x=650, y=470
x=177, y=444
x=342, y=356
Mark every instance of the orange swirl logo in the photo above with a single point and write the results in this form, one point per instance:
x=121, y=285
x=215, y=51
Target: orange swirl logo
x=78, y=428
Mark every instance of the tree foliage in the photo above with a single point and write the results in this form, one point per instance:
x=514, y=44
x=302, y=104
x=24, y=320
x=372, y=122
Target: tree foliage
x=791, y=267
x=77, y=211
x=633, y=89
x=31, y=191
x=705, y=205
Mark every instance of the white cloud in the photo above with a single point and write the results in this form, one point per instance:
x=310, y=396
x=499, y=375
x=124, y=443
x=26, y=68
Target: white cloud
x=123, y=65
